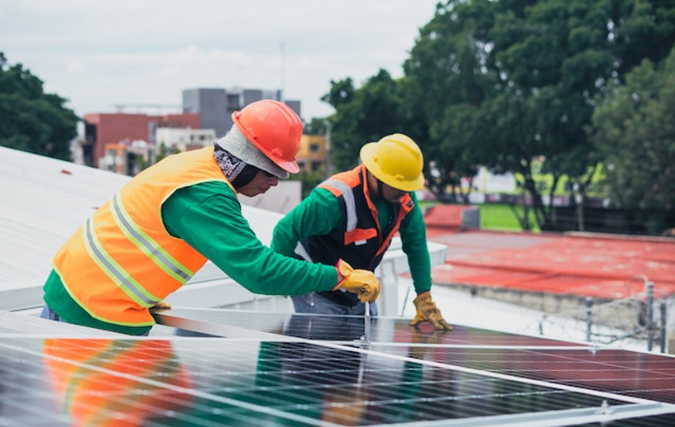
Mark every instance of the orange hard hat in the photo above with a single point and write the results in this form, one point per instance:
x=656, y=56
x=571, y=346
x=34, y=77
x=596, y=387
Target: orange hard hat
x=274, y=129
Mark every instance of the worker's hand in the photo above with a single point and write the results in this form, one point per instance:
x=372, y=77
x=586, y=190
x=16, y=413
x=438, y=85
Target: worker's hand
x=162, y=305
x=427, y=310
x=361, y=282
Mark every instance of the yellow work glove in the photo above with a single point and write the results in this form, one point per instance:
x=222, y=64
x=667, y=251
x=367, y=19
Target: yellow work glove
x=361, y=282
x=427, y=310
x=162, y=305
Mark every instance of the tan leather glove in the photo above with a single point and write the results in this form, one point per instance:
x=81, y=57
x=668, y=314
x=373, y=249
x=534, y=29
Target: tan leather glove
x=162, y=305
x=361, y=282
x=427, y=310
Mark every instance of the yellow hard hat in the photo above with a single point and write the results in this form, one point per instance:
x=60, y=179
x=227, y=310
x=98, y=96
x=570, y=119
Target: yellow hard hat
x=395, y=160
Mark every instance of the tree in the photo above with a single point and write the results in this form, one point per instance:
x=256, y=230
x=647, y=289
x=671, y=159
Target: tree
x=317, y=126
x=364, y=115
x=635, y=133
x=503, y=83
x=31, y=120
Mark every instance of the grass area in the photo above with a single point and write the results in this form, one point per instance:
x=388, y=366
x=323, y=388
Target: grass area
x=497, y=217
x=502, y=217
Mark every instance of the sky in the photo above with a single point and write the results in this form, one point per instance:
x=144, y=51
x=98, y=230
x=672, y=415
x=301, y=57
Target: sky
x=102, y=54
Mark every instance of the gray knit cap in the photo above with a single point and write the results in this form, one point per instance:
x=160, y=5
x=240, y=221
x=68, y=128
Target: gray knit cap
x=236, y=143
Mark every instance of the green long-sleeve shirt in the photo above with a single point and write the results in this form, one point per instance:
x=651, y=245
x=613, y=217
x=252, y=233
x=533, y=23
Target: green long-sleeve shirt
x=208, y=217
x=320, y=213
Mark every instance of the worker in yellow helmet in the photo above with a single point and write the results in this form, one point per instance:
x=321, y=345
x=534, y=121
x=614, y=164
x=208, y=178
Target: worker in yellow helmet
x=160, y=228
x=353, y=216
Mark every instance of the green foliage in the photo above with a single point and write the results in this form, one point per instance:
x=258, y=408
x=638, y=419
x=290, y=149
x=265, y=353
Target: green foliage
x=505, y=84
x=375, y=110
x=341, y=92
x=31, y=120
x=317, y=126
x=141, y=163
x=635, y=132
x=524, y=74
x=502, y=84
x=164, y=151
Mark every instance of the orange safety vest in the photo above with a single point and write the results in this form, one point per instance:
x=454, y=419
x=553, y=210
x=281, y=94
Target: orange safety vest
x=363, y=241
x=122, y=260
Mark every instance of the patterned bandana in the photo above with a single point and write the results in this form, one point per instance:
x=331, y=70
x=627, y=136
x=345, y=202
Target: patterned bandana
x=229, y=164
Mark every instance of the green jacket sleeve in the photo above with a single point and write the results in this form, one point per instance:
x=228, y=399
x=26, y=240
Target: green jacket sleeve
x=318, y=214
x=414, y=244
x=208, y=217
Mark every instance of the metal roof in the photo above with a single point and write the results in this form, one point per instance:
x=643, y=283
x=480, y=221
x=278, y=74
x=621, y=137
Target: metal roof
x=43, y=202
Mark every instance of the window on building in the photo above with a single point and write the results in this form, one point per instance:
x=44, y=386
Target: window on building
x=233, y=101
x=313, y=148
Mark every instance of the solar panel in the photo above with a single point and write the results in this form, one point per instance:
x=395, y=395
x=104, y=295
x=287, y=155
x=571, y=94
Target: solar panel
x=262, y=369
x=202, y=381
x=643, y=375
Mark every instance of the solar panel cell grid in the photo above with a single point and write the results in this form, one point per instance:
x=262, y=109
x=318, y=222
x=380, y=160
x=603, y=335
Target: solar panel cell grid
x=642, y=375
x=201, y=381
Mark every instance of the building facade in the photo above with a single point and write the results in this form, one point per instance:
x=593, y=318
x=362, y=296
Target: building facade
x=215, y=106
x=184, y=139
x=312, y=154
x=127, y=157
x=101, y=129
x=111, y=139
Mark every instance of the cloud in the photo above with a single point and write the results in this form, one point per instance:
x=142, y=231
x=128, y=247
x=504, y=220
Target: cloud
x=97, y=54
x=77, y=67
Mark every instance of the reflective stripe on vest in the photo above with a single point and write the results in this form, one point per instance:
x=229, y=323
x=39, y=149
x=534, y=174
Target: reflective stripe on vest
x=363, y=240
x=146, y=244
x=347, y=194
x=115, y=271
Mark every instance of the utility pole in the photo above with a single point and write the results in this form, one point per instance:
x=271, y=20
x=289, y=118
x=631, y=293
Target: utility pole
x=283, y=71
x=329, y=161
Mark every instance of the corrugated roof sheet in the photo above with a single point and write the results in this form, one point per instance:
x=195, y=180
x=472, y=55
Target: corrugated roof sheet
x=44, y=201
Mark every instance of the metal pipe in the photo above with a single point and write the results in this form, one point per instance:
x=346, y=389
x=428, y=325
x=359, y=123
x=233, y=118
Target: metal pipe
x=589, y=318
x=664, y=321
x=650, y=315
x=367, y=324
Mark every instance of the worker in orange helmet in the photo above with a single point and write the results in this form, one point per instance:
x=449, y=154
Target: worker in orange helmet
x=160, y=228
x=353, y=216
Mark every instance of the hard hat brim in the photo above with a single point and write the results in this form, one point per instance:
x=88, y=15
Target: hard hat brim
x=290, y=167
x=367, y=156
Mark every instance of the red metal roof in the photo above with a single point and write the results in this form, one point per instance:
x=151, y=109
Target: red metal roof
x=580, y=264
